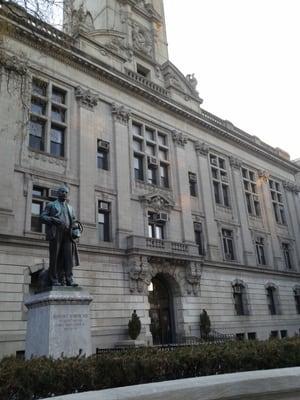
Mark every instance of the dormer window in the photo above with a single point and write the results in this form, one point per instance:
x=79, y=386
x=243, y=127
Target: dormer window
x=145, y=72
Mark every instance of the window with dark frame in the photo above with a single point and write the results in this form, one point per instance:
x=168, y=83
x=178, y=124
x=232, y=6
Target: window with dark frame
x=240, y=299
x=156, y=226
x=271, y=300
x=102, y=154
x=274, y=335
x=47, y=125
x=251, y=335
x=286, y=249
x=228, y=245
x=150, y=155
x=220, y=180
x=104, y=221
x=297, y=299
x=193, y=184
x=250, y=190
x=40, y=198
x=277, y=202
x=199, y=237
x=260, y=251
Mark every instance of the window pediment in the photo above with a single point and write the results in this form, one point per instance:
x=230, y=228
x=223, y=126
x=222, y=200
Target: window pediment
x=158, y=201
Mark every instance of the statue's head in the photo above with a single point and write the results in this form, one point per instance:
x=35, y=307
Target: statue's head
x=62, y=193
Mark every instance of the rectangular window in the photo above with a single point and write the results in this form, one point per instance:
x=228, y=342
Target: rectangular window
x=155, y=226
x=277, y=202
x=240, y=300
x=228, y=247
x=150, y=155
x=240, y=336
x=287, y=255
x=297, y=299
x=102, y=154
x=104, y=221
x=220, y=180
x=260, y=250
x=40, y=197
x=271, y=293
x=47, y=125
x=250, y=190
x=251, y=335
x=199, y=237
x=283, y=333
x=274, y=335
x=193, y=184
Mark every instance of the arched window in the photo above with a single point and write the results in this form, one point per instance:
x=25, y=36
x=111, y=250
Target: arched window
x=273, y=299
x=240, y=298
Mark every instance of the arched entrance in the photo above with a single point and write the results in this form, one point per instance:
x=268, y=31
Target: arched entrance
x=161, y=311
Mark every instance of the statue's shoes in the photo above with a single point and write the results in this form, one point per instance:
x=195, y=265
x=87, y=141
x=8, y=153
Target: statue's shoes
x=55, y=283
x=71, y=283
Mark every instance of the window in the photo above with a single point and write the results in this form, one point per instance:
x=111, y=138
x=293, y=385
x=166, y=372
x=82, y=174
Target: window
x=47, y=124
x=283, y=333
x=240, y=336
x=193, y=184
x=297, y=298
x=228, y=247
x=260, y=250
x=272, y=300
x=287, y=255
x=219, y=180
x=156, y=225
x=150, y=155
x=250, y=190
x=251, y=335
x=102, y=154
x=40, y=197
x=277, y=202
x=142, y=71
x=274, y=335
x=240, y=299
x=199, y=237
x=104, y=221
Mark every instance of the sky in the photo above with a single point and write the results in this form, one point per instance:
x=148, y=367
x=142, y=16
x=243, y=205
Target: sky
x=245, y=56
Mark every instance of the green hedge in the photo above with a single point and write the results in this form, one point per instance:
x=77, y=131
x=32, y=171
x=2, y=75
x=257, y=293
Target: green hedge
x=41, y=377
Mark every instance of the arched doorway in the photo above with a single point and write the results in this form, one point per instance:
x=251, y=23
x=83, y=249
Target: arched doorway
x=161, y=311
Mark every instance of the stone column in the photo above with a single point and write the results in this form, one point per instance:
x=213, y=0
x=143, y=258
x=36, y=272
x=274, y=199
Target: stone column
x=87, y=101
x=269, y=217
x=183, y=187
x=121, y=117
x=212, y=239
x=247, y=243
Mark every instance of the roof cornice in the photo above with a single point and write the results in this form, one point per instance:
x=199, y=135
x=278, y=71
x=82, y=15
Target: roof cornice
x=48, y=39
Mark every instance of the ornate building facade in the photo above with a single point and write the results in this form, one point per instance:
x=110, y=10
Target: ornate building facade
x=182, y=211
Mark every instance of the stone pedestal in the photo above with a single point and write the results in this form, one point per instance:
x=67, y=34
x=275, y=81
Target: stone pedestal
x=58, y=323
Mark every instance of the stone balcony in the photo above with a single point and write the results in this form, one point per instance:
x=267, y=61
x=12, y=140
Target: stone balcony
x=161, y=248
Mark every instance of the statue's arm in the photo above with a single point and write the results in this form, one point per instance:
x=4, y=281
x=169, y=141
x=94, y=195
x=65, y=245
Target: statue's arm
x=46, y=216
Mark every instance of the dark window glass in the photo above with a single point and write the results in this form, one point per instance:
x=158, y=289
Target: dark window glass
x=297, y=301
x=271, y=300
x=228, y=244
x=225, y=195
x=39, y=201
x=164, y=181
x=274, y=335
x=161, y=138
x=149, y=133
x=138, y=167
x=38, y=106
x=57, y=141
x=103, y=221
x=152, y=176
x=58, y=114
x=199, y=237
x=39, y=87
x=102, y=159
x=37, y=134
x=216, y=186
x=283, y=333
x=137, y=129
x=58, y=95
x=251, y=335
x=240, y=336
x=155, y=228
x=287, y=255
x=238, y=302
x=193, y=184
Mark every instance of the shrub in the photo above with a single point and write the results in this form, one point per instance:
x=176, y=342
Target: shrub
x=204, y=324
x=43, y=377
x=134, y=326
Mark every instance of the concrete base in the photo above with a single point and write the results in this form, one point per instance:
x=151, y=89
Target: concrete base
x=58, y=323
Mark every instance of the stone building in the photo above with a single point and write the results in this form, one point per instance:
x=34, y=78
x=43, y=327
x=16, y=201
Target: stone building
x=182, y=211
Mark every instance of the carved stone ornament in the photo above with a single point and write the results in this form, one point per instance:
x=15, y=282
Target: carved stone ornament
x=139, y=274
x=145, y=7
x=192, y=81
x=119, y=46
x=263, y=176
x=193, y=277
x=235, y=162
x=142, y=40
x=179, y=138
x=202, y=148
x=85, y=97
x=81, y=20
x=14, y=64
x=291, y=187
x=120, y=113
x=157, y=201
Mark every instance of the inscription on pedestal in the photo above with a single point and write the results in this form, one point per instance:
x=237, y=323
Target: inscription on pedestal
x=70, y=321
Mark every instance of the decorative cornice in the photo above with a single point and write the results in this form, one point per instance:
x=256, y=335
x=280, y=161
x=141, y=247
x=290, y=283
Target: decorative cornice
x=86, y=98
x=291, y=187
x=47, y=158
x=202, y=148
x=120, y=113
x=235, y=162
x=179, y=138
x=62, y=47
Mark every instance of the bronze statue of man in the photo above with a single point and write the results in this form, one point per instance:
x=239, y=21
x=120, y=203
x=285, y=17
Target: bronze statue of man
x=59, y=219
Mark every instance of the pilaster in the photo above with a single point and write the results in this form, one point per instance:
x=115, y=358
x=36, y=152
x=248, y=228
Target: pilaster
x=121, y=116
x=212, y=240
